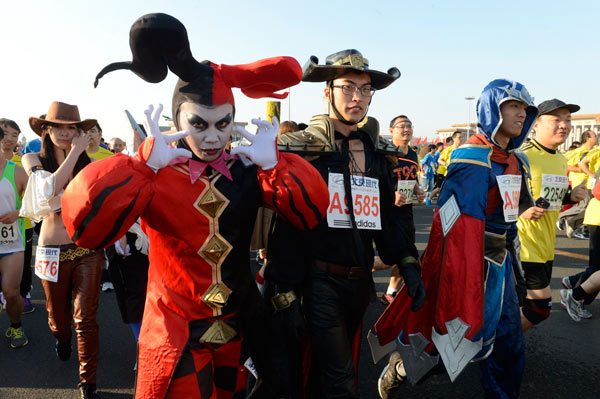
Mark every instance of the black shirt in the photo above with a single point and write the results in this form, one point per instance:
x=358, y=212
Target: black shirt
x=406, y=168
x=336, y=245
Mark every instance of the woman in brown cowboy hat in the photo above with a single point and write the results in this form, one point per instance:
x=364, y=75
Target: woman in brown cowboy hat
x=62, y=266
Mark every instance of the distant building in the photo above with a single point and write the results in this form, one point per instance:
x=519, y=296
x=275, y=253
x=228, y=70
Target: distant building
x=466, y=130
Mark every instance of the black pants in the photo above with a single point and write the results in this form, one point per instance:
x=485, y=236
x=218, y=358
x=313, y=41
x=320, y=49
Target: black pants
x=593, y=266
x=334, y=308
x=26, y=280
x=287, y=342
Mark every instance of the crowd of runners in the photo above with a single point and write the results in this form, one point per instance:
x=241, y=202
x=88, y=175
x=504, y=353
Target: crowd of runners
x=325, y=204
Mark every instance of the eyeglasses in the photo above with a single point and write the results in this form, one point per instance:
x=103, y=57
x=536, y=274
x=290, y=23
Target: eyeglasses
x=365, y=91
x=403, y=126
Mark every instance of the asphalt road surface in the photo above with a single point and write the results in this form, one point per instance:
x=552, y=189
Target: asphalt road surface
x=563, y=357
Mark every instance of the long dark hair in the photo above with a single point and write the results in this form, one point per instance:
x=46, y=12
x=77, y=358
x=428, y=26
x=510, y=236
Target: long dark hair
x=48, y=159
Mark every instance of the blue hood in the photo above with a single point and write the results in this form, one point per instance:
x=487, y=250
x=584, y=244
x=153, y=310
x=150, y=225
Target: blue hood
x=488, y=109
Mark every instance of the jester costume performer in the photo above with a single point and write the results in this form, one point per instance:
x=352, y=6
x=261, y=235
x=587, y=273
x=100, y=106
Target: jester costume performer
x=471, y=269
x=202, y=315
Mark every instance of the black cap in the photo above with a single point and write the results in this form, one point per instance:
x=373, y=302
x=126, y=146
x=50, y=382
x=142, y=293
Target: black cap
x=550, y=105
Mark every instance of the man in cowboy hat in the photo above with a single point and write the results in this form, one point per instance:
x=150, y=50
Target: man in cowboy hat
x=337, y=256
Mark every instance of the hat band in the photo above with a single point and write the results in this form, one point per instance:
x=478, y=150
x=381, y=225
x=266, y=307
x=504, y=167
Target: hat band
x=355, y=60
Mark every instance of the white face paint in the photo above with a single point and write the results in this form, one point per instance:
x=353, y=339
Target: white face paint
x=210, y=128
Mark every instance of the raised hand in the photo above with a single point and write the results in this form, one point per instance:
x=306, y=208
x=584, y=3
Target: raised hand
x=161, y=154
x=580, y=192
x=80, y=142
x=263, y=150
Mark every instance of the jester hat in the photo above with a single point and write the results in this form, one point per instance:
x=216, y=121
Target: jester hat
x=160, y=42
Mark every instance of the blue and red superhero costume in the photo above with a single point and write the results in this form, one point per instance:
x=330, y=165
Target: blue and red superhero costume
x=471, y=263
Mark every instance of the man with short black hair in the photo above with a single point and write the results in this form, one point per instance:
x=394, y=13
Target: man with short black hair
x=443, y=160
x=95, y=150
x=117, y=145
x=406, y=170
x=470, y=263
x=548, y=182
x=339, y=254
x=13, y=181
x=9, y=146
x=430, y=167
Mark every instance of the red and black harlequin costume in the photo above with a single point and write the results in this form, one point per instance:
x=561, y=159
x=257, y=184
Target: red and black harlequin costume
x=202, y=314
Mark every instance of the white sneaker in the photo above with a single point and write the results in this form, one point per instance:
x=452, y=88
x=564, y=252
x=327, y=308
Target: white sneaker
x=573, y=306
x=566, y=282
x=569, y=230
x=584, y=313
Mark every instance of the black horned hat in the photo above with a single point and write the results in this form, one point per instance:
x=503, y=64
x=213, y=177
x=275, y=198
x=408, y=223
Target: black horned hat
x=159, y=42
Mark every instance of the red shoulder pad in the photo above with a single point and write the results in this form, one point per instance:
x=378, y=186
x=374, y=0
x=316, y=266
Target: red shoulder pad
x=105, y=199
x=295, y=190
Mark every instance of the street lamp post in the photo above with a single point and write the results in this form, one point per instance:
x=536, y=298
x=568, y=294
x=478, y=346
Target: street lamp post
x=469, y=99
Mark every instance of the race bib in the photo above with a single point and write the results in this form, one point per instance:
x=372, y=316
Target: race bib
x=249, y=364
x=46, y=263
x=9, y=235
x=554, y=188
x=407, y=187
x=510, y=189
x=365, y=201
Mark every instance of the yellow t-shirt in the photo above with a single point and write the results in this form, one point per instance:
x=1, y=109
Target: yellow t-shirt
x=445, y=156
x=100, y=154
x=17, y=160
x=592, y=213
x=573, y=160
x=548, y=180
x=569, y=154
x=594, y=164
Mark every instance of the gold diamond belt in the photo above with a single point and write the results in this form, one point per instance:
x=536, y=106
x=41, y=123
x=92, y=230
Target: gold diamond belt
x=69, y=252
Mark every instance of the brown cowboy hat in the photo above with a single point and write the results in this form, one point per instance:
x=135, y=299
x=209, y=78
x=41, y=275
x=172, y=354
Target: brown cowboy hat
x=342, y=62
x=62, y=114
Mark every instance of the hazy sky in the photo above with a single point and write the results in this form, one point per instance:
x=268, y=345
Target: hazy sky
x=446, y=50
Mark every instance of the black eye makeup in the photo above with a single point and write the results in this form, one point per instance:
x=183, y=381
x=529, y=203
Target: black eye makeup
x=196, y=121
x=223, y=123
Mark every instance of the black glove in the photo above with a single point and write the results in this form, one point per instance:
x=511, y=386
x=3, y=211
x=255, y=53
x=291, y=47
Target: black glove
x=414, y=284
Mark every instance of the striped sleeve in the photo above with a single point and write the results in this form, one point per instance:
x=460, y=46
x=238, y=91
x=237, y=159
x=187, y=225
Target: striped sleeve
x=105, y=199
x=295, y=190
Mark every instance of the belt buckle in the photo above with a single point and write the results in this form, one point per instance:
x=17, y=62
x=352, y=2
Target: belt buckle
x=218, y=334
x=352, y=275
x=283, y=300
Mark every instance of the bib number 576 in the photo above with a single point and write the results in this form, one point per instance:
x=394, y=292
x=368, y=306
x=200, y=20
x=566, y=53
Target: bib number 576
x=47, y=263
x=47, y=267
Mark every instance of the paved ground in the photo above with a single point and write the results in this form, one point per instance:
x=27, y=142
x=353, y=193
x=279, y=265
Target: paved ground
x=563, y=357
